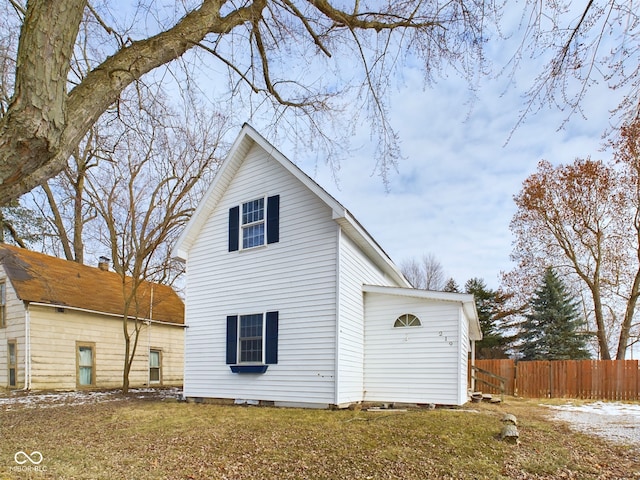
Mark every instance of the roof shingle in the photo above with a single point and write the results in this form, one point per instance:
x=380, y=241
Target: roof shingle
x=49, y=280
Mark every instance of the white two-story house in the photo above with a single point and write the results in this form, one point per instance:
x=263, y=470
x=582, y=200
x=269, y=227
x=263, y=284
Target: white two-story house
x=289, y=301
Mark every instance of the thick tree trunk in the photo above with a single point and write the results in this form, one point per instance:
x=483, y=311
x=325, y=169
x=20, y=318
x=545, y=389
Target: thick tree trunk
x=36, y=138
x=625, y=329
x=31, y=130
x=605, y=354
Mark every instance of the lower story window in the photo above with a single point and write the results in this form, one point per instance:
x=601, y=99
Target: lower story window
x=12, y=362
x=86, y=373
x=155, y=366
x=252, y=342
x=250, y=338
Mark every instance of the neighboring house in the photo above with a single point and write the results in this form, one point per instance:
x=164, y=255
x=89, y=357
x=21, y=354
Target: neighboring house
x=289, y=301
x=61, y=326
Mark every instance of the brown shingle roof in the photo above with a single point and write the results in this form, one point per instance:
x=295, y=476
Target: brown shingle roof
x=44, y=279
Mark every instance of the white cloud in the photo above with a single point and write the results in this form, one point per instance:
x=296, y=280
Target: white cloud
x=453, y=193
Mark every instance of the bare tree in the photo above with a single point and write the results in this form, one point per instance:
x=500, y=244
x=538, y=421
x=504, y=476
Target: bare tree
x=426, y=273
x=582, y=45
x=582, y=219
x=145, y=195
x=62, y=200
x=51, y=108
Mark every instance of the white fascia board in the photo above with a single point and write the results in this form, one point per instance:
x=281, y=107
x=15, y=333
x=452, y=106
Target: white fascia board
x=418, y=293
x=245, y=140
x=210, y=199
x=374, y=251
x=335, y=206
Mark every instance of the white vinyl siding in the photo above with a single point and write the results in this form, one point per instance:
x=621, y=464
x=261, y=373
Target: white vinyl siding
x=12, y=331
x=464, y=347
x=54, y=350
x=296, y=277
x=417, y=364
x=355, y=270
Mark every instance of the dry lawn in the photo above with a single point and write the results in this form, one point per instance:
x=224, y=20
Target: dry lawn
x=163, y=439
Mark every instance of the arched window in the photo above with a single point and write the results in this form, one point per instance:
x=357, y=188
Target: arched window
x=407, y=320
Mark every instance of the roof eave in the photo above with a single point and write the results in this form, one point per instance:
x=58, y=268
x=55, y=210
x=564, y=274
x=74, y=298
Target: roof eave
x=466, y=300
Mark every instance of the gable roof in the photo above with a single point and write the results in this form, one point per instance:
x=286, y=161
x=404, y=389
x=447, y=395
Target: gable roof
x=47, y=280
x=247, y=138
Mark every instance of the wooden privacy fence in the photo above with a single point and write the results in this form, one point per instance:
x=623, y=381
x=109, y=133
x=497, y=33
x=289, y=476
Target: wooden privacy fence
x=587, y=379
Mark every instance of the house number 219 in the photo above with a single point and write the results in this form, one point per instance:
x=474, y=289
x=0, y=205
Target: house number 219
x=446, y=339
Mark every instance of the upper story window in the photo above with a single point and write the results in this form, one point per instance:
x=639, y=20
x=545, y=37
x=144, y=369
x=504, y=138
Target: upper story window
x=407, y=320
x=254, y=223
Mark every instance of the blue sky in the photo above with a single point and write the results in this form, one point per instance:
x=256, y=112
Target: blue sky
x=452, y=195
x=464, y=160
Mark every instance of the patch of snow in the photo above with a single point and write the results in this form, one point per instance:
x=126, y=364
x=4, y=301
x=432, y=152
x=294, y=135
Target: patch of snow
x=33, y=399
x=614, y=421
x=602, y=408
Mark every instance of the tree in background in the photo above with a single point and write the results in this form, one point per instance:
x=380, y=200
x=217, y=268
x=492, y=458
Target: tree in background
x=284, y=58
x=145, y=195
x=493, y=315
x=451, y=286
x=583, y=220
x=554, y=328
x=627, y=158
x=23, y=226
x=424, y=274
x=46, y=108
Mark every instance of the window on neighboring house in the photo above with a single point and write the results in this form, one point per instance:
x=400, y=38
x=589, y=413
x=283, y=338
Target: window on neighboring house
x=254, y=223
x=155, y=366
x=407, y=320
x=12, y=362
x=252, y=342
x=3, y=303
x=86, y=361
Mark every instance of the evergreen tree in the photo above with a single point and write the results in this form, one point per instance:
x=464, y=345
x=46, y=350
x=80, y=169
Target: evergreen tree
x=23, y=226
x=451, y=286
x=552, y=330
x=491, y=312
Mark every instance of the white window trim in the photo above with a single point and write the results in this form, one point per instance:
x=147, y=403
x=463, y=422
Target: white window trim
x=251, y=224
x=159, y=381
x=13, y=365
x=264, y=345
x=407, y=326
x=3, y=304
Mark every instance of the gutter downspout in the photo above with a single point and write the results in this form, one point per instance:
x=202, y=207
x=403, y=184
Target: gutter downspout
x=149, y=340
x=336, y=362
x=27, y=347
x=473, y=364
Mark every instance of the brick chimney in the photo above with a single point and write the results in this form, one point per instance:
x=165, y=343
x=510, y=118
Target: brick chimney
x=103, y=263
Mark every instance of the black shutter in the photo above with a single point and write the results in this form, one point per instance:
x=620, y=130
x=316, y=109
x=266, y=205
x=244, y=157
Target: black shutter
x=234, y=228
x=271, y=350
x=232, y=339
x=273, y=219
